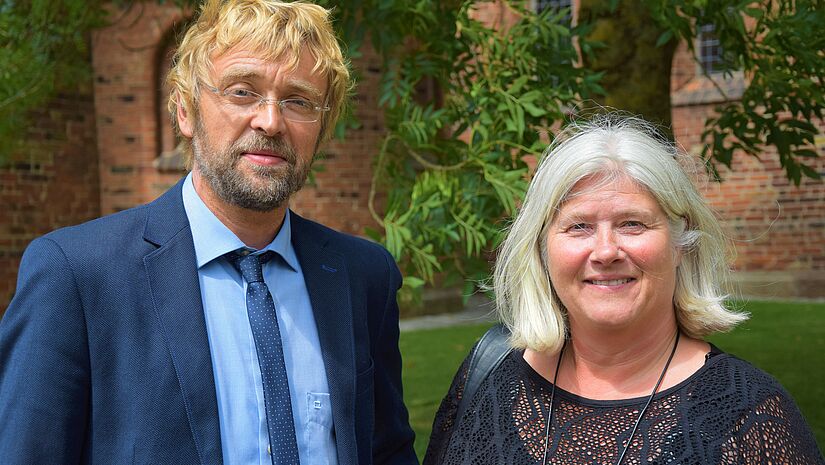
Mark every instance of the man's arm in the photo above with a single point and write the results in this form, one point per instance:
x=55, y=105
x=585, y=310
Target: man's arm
x=393, y=437
x=44, y=363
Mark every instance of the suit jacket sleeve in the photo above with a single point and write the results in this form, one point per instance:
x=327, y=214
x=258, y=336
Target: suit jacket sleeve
x=393, y=437
x=44, y=363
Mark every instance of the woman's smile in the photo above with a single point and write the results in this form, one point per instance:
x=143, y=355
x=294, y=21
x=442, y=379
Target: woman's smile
x=610, y=256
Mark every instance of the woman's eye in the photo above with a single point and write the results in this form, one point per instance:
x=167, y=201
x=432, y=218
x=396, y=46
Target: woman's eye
x=578, y=227
x=633, y=224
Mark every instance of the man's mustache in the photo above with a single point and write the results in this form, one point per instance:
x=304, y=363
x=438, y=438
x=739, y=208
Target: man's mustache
x=257, y=143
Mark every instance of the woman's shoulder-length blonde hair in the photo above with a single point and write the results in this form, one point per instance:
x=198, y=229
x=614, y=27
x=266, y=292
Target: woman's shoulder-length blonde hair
x=612, y=146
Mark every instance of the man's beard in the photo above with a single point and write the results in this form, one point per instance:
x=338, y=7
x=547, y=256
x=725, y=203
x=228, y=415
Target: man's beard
x=263, y=188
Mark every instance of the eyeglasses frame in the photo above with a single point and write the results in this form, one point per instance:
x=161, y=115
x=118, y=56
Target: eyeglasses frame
x=268, y=101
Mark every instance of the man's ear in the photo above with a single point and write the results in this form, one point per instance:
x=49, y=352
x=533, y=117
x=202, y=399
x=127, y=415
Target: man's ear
x=186, y=121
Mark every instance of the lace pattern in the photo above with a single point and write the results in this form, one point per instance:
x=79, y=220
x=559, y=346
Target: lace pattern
x=728, y=412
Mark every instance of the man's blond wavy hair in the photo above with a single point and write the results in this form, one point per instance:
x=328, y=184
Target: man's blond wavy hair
x=277, y=31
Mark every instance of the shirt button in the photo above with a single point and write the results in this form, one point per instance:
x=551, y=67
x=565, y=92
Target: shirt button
x=269, y=449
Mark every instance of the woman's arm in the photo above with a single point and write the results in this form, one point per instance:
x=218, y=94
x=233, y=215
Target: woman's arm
x=445, y=418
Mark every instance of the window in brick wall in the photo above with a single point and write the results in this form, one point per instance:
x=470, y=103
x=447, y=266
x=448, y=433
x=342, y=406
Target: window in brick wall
x=542, y=5
x=170, y=150
x=710, y=49
x=556, y=5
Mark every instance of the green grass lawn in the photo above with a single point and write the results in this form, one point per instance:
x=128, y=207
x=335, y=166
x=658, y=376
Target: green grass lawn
x=784, y=339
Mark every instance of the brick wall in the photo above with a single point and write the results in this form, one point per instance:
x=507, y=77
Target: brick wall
x=95, y=151
x=340, y=195
x=777, y=227
x=130, y=60
x=127, y=59
x=52, y=183
x=96, y=159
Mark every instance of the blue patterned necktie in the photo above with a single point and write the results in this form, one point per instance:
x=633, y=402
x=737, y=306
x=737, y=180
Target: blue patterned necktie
x=262, y=318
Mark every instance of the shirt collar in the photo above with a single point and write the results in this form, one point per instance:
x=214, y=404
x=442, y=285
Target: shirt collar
x=213, y=239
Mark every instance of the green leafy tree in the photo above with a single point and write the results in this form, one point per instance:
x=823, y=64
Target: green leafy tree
x=453, y=164
x=635, y=67
x=44, y=49
x=777, y=45
x=466, y=102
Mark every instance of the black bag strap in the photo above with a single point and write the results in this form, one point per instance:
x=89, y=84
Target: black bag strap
x=490, y=351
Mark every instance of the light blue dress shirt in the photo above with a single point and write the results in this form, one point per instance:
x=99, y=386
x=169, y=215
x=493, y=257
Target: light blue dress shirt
x=238, y=385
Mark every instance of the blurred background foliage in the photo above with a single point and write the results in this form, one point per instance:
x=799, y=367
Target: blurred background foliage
x=470, y=105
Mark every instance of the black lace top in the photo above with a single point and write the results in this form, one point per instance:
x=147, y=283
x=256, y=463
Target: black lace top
x=728, y=412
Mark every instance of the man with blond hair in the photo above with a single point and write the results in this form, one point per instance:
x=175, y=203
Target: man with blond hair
x=213, y=325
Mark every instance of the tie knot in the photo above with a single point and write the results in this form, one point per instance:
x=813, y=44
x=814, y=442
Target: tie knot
x=250, y=266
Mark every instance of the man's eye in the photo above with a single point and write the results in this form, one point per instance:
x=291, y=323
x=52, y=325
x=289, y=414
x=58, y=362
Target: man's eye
x=241, y=95
x=299, y=104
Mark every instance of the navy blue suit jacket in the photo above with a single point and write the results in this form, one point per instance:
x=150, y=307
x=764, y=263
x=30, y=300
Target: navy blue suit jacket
x=104, y=357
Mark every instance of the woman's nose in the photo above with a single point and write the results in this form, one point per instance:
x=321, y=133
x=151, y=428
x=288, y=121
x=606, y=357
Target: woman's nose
x=606, y=248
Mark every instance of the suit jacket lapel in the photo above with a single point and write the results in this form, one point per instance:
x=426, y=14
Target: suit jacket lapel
x=173, y=279
x=327, y=281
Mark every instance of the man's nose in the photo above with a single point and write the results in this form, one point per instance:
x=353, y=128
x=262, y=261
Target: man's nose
x=268, y=119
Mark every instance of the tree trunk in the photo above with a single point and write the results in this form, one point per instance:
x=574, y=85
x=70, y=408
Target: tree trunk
x=636, y=71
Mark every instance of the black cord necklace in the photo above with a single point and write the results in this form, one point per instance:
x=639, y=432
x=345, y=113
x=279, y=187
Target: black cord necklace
x=638, y=419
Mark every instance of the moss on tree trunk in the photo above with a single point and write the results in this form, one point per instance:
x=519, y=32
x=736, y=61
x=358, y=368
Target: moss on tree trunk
x=636, y=71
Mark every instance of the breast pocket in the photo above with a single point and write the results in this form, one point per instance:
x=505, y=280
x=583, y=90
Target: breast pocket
x=318, y=431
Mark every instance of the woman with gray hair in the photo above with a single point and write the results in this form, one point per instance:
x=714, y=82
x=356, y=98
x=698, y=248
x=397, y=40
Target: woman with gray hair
x=609, y=279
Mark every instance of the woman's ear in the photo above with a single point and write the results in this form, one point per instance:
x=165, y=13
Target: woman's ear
x=679, y=249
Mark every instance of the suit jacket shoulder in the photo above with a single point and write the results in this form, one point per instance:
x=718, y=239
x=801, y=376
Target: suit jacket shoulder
x=128, y=234
x=103, y=350
x=368, y=260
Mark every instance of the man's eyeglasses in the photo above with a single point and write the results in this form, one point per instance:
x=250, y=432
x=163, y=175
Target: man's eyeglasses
x=246, y=101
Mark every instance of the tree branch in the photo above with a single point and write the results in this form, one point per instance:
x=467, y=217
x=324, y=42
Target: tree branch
x=25, y=92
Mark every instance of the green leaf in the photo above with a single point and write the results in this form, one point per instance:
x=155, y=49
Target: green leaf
x=805, y=153
x=755, y=13
x=413, y=282
x=533, y=110
x=809, y=172
x=515, y=88
x=664, y=38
